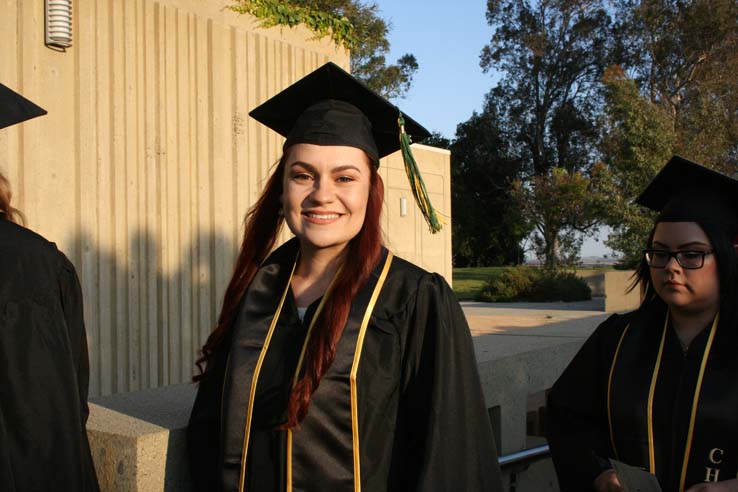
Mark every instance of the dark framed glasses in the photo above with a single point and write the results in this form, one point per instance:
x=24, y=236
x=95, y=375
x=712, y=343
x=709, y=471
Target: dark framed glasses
x=691, y=260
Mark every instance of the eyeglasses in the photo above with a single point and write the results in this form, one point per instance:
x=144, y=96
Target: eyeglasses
x=691, y=260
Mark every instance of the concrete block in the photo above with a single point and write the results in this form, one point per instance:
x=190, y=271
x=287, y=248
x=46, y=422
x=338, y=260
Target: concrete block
x=138, y=439
x=616, y=297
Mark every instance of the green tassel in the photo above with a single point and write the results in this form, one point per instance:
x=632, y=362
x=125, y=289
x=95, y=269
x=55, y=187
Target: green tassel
x=416, y=180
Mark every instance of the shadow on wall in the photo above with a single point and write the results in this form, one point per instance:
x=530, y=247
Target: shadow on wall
x=150, y=306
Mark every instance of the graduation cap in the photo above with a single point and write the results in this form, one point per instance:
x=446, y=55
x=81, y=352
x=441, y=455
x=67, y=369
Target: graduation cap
x=684, y=191
x=330, y=107
x=15, y=108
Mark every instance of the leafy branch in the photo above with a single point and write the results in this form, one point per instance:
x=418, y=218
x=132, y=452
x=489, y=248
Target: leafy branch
x=273, y=13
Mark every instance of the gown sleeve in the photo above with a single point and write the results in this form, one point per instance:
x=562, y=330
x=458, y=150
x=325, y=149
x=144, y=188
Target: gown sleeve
x=203, y=428
x=450, y=445
x=71, y=298
x=72, y=306
x=576, y=428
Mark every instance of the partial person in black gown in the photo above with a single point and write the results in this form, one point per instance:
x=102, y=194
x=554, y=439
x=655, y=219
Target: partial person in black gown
x=336, y=366
x=657, y=388
x=43, y=352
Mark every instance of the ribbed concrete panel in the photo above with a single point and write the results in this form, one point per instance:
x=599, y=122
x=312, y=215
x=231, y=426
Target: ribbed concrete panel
x=147, y=162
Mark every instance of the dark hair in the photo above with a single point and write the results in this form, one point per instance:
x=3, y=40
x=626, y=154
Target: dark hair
x=263, y=223
x=727, y=267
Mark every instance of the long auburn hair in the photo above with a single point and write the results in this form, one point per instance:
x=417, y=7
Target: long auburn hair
x=263, y=223
x=7, y=211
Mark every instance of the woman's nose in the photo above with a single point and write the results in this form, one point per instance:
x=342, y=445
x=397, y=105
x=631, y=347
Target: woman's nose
x=323, y=191
x=672, y=264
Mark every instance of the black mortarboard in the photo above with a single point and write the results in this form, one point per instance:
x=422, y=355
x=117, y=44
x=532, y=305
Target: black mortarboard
x=330, y=107
x=684, y=191
x=15, y=108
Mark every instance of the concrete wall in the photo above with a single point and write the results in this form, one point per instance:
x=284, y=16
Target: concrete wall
x=617, y=298
x=137, y=439
x=595, y=280
x=147, y=162
x=409, y=236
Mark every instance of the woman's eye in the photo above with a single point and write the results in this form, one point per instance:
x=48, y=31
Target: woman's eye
x=302, y=177
x=660, y=255
x=691, y=255
x=345, y=179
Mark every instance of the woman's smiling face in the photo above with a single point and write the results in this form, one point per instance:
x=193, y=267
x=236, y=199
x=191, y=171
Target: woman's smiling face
x=325, y=190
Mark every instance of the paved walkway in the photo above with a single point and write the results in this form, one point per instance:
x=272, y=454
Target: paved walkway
x=503, y=330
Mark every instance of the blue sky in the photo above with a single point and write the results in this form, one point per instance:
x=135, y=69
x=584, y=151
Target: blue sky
x=446, y=38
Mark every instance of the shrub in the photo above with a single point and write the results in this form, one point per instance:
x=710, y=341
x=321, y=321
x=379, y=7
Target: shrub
x=508, y=285
x=536, y=285
x=559, y=286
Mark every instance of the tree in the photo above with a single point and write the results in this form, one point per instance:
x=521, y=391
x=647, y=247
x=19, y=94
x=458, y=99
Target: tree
x=676, y=94
x=638, y=138
x=563, y=207
x=487, y=226
x=354, y=24
x=552, y=54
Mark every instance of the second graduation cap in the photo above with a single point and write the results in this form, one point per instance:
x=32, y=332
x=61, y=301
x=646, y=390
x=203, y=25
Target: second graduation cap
x=330, y=107
x=15, y=108
x=684, y=191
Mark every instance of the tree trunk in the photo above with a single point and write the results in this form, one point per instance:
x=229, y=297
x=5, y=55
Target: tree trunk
x=552, y=249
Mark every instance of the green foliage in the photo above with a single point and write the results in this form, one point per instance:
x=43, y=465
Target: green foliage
x=512, y=284
x=350, y=23
x=487, y=225
x=554, y=285
x=561, y=204
x=280, y=13
x=638, y=140
x=682, y=99
x=535, y=285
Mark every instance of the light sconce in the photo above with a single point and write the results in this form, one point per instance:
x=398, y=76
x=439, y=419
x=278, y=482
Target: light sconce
x=59, y=23
x=403, y=207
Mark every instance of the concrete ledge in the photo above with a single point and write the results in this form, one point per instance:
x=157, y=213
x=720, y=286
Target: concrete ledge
x=138, y=439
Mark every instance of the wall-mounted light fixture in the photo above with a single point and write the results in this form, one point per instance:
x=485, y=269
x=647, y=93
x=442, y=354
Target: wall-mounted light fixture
x=403, y=206
x=59, y=23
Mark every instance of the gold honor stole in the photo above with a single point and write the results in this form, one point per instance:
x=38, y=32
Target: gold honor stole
x=340, y=378
x=631, y=388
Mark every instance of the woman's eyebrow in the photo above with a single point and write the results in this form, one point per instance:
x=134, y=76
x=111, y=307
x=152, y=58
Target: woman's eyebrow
x=307, y=166
x=681, y=246
x=692, y=243
x=345, y=167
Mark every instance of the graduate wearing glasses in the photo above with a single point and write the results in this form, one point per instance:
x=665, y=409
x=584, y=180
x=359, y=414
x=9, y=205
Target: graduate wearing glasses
x=657, y=388
x=336, y=366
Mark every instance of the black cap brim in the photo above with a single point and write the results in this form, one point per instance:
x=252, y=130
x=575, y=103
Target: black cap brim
x=15, y=108
x=331, y=82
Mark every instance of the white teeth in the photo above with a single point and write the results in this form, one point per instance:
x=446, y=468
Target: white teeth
x=322, y=216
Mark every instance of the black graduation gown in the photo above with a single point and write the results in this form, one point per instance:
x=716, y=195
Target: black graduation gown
x=417, y=420
x=599, y=407
x=44, y=368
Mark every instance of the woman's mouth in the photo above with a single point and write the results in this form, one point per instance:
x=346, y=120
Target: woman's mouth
x=321, y=217
x=673, y=284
